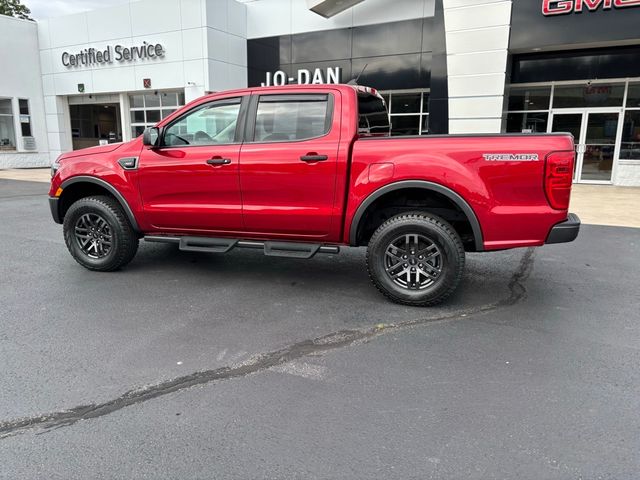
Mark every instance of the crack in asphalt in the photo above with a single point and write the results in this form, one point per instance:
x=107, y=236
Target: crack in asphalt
x=259, y=363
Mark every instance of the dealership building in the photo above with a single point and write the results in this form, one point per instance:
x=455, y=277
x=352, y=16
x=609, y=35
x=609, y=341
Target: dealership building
x=444, y=66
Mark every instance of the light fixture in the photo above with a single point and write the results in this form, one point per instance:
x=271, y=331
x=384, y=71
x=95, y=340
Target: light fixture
x=330, y=8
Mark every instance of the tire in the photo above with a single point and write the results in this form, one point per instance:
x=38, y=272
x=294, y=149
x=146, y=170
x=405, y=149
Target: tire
x=100, y=219
x=437, y=261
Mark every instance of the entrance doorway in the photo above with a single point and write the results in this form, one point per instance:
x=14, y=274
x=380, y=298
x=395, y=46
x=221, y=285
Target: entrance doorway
x=95, y=124
x=597, y=134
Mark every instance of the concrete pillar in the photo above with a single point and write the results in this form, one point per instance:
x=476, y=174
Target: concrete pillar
x=477, y=35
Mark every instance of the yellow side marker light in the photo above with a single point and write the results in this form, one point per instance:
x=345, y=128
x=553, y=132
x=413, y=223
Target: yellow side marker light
x=58, y=192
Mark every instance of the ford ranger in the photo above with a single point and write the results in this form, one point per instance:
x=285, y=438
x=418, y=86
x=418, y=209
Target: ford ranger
x=300, y=170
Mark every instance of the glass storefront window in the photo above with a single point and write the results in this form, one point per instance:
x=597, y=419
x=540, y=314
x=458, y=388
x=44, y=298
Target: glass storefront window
x=136, y=101
x=403, y=125
x=633, y=96
x=137, y=116
x=153, y=116
x=151, y=100
x=630, y=149
x=25, y=117
x=5, y=106
x=533, y=122
x=167, y=112
x=406, y=103
x=588, y=96
x=7, y=132
x=148, y=109
x=169, y=99
x=137, y=130
x=408, y=112
x=529, y=98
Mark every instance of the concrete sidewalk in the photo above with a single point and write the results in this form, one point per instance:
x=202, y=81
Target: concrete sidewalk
x=27, y=174
x=594, y=204
x=607, y=205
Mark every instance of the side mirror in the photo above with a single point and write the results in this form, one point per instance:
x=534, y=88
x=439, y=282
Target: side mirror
x=151, y=136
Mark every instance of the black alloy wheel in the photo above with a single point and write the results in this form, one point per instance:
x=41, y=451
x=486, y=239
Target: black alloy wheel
x=98, y=234
x=416, y=259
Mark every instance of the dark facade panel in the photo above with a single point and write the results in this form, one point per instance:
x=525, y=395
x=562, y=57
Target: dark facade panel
x=321, y=46
x=425, y=68
x=269, y=51
x=430, y=33
x=576, y=65
x=265, y=54
x=286, y=49
x=531, y=29
x=439, y=98
x=351, y=49
x=402, y=55
x=388, y=39
x=393, y=72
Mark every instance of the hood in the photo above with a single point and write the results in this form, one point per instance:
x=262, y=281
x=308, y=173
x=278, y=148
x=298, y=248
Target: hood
x=112, y=147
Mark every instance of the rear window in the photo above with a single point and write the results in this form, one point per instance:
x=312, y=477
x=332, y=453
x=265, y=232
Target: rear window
x=287, y=118
x=373, y=118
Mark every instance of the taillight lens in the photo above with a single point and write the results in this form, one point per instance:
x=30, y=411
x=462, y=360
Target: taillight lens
x=558, y=178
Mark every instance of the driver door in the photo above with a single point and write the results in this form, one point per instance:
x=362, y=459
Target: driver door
x=190, y=182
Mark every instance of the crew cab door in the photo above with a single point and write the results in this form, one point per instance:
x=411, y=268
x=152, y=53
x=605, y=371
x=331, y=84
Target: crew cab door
x=288, y=164
x=190, y=182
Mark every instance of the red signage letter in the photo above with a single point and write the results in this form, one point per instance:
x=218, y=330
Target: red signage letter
x=592, y=5
x=626, y=3
x=557, y=7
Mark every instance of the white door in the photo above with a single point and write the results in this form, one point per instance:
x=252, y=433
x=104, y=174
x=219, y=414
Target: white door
x=597, y=134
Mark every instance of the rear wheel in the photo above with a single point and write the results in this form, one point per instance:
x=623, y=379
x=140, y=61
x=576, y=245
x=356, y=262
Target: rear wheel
x=416, y=259
x=98, y=234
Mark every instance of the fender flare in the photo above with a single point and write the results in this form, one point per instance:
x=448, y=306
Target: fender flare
x=425, y=185
x=112, y=190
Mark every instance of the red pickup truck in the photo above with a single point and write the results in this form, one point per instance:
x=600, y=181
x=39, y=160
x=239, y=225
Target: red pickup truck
x=300, y=170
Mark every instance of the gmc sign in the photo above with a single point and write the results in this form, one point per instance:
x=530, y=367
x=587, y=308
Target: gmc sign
x=562, y=7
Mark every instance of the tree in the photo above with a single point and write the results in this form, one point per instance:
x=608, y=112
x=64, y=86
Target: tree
x=14, y=8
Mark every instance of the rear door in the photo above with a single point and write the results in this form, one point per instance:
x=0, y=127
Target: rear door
x=288, y=164
x=191, y=181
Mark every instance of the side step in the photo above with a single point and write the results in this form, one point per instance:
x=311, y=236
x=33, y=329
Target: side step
x=224, y=245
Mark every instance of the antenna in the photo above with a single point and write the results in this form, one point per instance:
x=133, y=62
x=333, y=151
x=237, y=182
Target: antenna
x=355, y=80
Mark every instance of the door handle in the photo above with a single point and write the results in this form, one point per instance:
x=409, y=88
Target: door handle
x=216, y=161
x=314, y=157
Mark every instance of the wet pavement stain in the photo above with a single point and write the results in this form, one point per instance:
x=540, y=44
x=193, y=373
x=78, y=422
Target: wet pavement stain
x=317, y=346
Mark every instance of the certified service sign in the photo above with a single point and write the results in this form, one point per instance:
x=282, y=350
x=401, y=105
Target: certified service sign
x=117, y=53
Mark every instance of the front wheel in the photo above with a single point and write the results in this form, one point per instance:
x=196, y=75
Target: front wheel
x=98, y=234
x=416, y=259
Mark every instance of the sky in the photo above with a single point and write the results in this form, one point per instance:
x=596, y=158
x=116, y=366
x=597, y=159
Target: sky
x=41, y=9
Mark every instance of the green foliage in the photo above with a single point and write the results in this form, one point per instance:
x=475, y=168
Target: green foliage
x=14, y=8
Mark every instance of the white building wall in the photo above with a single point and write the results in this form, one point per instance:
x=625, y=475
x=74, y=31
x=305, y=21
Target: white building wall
x=204, y=43
x=627, y=173
x=226, y=44
x=477, y=36
x=21, y=79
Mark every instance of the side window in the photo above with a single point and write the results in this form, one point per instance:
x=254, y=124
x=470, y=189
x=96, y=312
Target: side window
x=212, y=124
x=285, y=118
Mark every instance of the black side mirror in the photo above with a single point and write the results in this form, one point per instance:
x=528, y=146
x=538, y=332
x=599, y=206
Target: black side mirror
x=151, y=136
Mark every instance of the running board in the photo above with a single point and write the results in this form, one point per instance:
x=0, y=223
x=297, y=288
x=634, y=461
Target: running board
x=224, y=245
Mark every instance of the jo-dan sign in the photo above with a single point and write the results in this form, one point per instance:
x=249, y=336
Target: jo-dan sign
x=304, y=77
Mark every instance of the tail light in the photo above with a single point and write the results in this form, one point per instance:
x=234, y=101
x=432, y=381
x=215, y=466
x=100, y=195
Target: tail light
x=558, y=178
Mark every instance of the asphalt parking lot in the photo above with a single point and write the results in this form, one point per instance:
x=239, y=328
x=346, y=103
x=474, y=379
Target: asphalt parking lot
x=241, y=366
